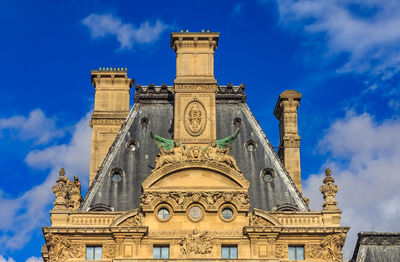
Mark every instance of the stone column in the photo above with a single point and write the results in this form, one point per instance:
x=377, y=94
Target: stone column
x=289, y=146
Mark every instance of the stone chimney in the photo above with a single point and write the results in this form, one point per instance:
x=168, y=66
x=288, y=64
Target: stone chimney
x=111, y=107
x=289, y=146
x=194, y=87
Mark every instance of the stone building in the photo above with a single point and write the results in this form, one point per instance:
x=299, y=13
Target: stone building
x=187, y=174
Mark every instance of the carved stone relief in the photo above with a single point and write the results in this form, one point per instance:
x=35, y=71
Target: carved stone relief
x=196, y=243
x=60, y=248
x=330, y=248
x=68, y=193
x=196, y=154
x=132, y=221
x=195, y=118
x=181, y=198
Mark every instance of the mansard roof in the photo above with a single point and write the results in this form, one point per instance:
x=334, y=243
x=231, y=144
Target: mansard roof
x=377, y=246
x=154, y=110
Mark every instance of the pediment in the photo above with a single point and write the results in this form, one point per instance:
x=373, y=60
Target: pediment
x=129, y=219
x=261, y=218
x=195, y=177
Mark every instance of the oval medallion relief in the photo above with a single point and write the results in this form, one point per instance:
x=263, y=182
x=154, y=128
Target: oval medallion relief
x=195, y=118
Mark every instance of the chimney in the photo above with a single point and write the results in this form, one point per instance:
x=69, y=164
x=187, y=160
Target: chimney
x=195, y=87
x=111, y=107
x=194, y=56
x=289, y=146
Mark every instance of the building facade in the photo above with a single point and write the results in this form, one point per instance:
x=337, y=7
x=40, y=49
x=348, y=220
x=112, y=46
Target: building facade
x=188, y=175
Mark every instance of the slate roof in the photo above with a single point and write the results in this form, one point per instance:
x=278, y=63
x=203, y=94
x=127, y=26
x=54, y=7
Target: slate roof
x=153, y=110
x=377, y=246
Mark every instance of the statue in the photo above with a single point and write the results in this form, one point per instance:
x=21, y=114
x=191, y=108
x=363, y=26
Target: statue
x=329, y=190
x=68, y=193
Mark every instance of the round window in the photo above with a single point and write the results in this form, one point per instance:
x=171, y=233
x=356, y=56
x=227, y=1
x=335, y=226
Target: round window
x=163, y=213
x=196, y=213
x=132, y=145
x=227, y=213
x=250, y=145
x=268, y=175
x=116, y=176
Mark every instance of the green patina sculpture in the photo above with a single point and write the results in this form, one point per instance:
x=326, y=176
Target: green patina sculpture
x=227, y=142
x=162, y=143
x=167, y=144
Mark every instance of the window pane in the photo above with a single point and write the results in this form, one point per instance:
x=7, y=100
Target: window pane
x=292, y=253
x=233, y=252
x=165, y=252
x=156, y=252
x=300, y=253
x=225, y=252
x=97, y=253
x=89, y=253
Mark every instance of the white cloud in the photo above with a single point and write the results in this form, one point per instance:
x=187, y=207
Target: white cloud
x=36, y=127
x=21, y=215
x=365, y=30
x=364, y=158
x=34, y=259
x=3, y=259
x=127, y=34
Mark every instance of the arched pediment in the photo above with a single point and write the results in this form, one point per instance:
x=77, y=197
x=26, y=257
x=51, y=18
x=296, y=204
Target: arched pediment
x=261, y=218
x=211, y=176
x=131, y=218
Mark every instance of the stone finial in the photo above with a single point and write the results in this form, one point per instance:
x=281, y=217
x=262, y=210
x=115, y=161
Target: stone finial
x=68, y=193
x=329, y=190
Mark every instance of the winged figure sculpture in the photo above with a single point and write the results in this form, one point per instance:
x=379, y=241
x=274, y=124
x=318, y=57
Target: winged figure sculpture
x=163, y=143
x=226, y=142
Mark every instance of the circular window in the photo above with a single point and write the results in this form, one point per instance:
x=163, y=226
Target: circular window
x=116, y=174
x=267, y=174
x=250, y=145
x=163, y=213
x=116, y=177
x=132, y=145
x=227, y=213
x=144, y=122
x=195, y=212
x=237, y=121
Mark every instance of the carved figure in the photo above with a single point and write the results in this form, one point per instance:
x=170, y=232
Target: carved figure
x=68, y=193
x=197, y=243
x=60, y=248
x=330, y=248
x=329, y=190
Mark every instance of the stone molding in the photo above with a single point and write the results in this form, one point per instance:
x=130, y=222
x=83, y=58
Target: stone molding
x=106, y=121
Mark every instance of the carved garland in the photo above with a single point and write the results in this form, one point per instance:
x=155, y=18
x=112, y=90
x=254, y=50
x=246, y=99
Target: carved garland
x=180, y=198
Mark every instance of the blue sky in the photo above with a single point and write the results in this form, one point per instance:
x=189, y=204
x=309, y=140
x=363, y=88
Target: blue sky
x=343, y=56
